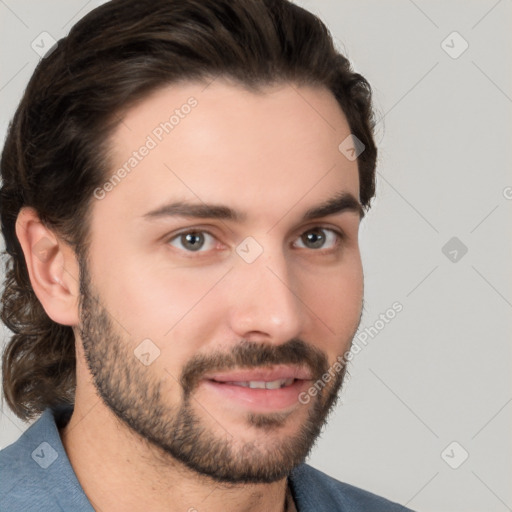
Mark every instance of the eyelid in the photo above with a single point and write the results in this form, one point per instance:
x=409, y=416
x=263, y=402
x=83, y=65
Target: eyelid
x=189, y=229
x=328, y=227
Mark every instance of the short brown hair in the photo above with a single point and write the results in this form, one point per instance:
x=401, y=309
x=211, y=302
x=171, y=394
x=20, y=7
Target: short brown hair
x=56, y=151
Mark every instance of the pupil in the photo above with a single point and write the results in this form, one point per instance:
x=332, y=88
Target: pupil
x=314, y=239
x=193, y=241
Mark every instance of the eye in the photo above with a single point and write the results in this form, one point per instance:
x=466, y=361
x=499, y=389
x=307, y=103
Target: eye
x=193, y=241
x=318, y=238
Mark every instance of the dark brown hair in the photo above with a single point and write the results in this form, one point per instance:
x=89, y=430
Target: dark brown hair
x=56, y=151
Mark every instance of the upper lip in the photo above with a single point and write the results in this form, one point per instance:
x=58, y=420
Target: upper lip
x=261, y=374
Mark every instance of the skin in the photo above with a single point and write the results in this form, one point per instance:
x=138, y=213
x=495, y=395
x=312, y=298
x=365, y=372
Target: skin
x=272, y=156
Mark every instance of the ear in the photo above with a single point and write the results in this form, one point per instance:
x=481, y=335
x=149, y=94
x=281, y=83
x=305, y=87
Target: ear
x=52, y=267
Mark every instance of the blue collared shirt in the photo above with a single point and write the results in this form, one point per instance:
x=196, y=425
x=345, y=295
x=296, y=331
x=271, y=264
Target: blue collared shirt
x=36, y=475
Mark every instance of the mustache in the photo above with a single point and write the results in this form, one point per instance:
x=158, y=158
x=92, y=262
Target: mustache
x=252, y=355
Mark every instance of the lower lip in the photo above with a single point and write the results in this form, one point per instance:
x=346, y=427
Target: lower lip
x=259, y=400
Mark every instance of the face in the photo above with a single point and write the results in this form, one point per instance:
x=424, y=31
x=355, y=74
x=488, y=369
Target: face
x=224, y=275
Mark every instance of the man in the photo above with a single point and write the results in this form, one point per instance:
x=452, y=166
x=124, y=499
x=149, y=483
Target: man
x=183, y=184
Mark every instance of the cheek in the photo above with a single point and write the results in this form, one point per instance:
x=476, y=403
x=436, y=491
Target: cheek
x=335, y=300
x=171, y=307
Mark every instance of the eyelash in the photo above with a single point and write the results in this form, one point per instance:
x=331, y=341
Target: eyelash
x=340, y=236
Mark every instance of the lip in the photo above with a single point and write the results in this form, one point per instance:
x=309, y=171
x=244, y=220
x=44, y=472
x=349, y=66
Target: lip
x=220, y=386
x=262, y=374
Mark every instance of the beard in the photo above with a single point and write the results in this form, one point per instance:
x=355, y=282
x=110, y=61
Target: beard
x=134, y=394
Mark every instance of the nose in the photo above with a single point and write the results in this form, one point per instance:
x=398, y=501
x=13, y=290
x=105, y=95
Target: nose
x=265, y=301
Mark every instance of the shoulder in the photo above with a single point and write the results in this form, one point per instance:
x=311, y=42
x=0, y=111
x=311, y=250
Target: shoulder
x=35, y=473
x=318, y=492
x=19, y=485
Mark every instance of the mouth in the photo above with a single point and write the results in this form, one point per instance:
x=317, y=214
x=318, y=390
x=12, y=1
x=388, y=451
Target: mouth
x=261, y=384
x=259, y=390
x=262, y=374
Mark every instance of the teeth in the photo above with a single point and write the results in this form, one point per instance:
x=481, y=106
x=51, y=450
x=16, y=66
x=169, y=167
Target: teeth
x=257, y=384
x=260, y=384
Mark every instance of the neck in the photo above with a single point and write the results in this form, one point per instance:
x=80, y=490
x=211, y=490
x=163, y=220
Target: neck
x=119, y=471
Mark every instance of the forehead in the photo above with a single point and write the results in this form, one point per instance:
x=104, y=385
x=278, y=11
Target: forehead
x=223, y=144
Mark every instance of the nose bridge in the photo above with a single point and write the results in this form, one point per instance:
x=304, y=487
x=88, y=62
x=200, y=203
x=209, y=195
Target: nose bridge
x=266, y=301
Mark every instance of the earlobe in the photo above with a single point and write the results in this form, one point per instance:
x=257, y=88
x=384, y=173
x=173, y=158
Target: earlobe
x=52, y=267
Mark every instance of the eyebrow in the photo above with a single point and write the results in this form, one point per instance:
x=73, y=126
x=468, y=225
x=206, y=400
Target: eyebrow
x=343, y=202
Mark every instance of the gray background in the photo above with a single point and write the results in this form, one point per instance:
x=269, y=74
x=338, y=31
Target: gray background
x=440, y=371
